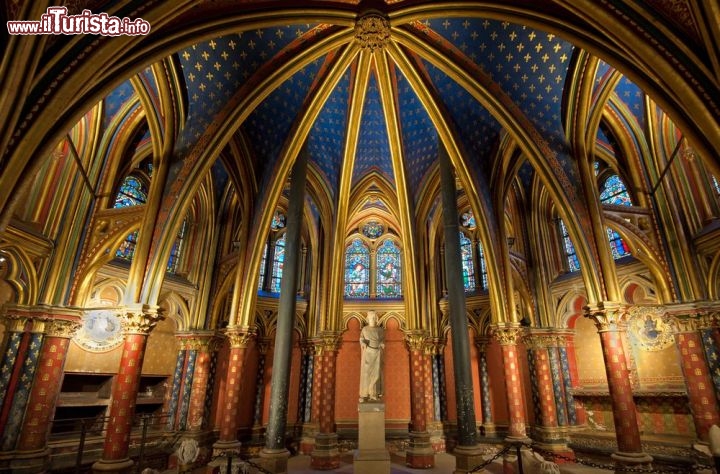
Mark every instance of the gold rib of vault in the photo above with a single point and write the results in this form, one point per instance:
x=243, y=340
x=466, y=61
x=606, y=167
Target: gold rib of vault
x=405, y=204
x=329, y=320
x=291, y=150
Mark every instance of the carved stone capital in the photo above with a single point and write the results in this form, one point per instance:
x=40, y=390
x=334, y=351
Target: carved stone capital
x=63, y=328
x=608, y=316
x=482, y=342
x=415, y=340
x=240, y=337
x=537, y=341
x=508, y=335
x=141, y=319
x=327, y=342
x=684, y=324
x=263, y=344
x=372, y=31
x=198, y=341
x=434, y=345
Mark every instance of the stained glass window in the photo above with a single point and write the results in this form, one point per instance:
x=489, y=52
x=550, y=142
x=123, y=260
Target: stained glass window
x=483, y=267
x=263, y=262
x=572, y=259
x=468, y=267
x=278, y=221
x=615, y=192
x=373, y=230
x=357, y=270
x=126, y=251
x=467, y=219
x=176, y=250
x=717, y=184
x=278, y=263
x=132, y=193
x=618, y=247
x=389, y=270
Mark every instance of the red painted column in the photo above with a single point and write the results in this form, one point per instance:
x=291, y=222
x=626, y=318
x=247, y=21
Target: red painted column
x=419, y=454
x=137, y=323
x=700, y=387
x=239, y=339
x=325, y=456
x=507, y=337
x=610, y=319
x=205, y=344
x=46, y=386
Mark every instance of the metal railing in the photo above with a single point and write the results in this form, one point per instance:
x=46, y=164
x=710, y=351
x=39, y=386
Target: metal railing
x=148, y=433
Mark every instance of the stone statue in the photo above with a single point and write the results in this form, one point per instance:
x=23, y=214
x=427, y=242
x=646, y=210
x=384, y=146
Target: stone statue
x=372, y=346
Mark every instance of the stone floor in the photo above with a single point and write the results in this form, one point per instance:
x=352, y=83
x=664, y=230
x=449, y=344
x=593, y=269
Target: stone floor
x=444, y=463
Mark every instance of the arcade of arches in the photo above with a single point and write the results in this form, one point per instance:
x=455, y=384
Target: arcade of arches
x=194, y=224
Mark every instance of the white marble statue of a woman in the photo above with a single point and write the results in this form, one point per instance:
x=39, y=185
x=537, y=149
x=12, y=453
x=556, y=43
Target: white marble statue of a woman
x=372, y=346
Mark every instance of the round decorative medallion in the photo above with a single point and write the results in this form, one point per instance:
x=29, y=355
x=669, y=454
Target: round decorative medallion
x=373, y=229
x=372, y=31
x=101, y=330
x=651, y=332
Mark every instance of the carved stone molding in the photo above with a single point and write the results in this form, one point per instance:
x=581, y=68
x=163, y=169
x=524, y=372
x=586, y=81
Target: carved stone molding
x=372, y=31
x=15, y=317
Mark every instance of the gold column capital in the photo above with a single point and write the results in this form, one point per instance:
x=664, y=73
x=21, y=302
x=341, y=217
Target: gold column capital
x=140, y=319
x=508, y=334
x=415, y=340
x=240, y=337
x=326, y=342
x=198, y=340
x=608, y=315
x=63, y=328
x=540, y=340
x=15, y=318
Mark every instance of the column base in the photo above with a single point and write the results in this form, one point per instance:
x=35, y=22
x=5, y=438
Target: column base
x=467, y=458
x=629, y=460
x=488, y=429
x=325, y=456
x=275, y=460
x=420, y=454
x=30, y=462
x=550, y=436
x=221, y=446
x=115, y=466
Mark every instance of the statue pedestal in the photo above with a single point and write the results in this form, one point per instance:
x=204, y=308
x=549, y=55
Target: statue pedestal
x=371, y=457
